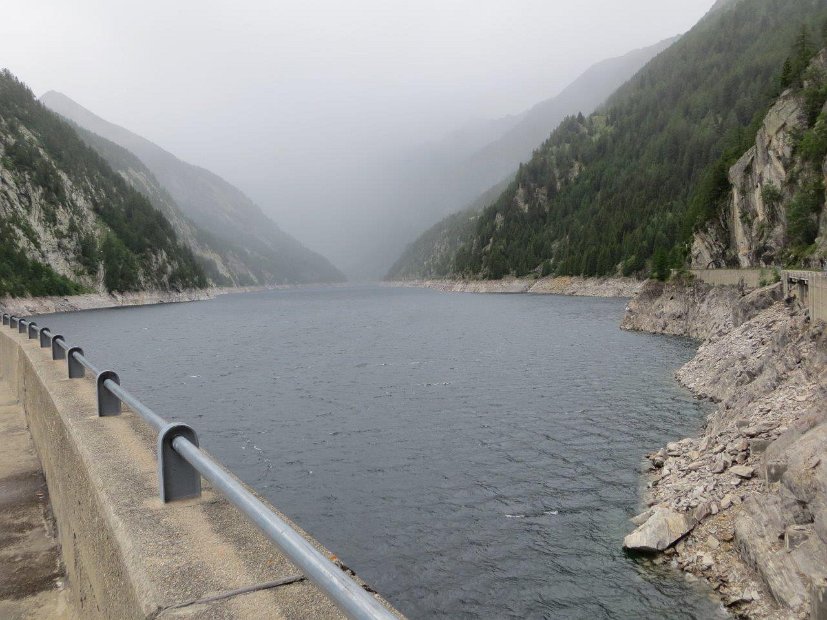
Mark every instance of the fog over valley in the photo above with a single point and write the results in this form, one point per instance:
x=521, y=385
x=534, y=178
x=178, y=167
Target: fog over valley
x=337, y=119
x=456, y=295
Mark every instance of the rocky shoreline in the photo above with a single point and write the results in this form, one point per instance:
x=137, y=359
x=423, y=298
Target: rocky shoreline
x=560, y=285
x=27, y=306
x=744, y=505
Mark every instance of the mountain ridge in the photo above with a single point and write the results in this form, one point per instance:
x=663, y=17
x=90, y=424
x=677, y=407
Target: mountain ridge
x=263, y=253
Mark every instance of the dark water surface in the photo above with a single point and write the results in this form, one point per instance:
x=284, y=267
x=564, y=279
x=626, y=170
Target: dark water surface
x=471, y=456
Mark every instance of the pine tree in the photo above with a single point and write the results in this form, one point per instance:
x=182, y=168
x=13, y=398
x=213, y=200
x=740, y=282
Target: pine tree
x=787, y=74
x=803, y=50
x=660, y=265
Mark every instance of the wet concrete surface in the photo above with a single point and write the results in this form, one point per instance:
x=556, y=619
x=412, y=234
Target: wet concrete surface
x=32, y=580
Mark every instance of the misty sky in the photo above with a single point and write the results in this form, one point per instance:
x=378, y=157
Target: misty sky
x=299, y=103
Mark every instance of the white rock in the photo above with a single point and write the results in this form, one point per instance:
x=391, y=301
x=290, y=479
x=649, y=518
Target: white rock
x=742, y=471
x=663, y=529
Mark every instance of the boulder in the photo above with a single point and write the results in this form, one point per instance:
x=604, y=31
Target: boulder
x=661, y=530
x=642, y=518
x=742, y=471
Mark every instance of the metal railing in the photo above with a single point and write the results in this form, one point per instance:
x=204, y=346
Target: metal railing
x=181, y=464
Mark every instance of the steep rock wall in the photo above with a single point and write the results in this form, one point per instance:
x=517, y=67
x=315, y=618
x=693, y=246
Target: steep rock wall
x=44, y=230
x=753, y=485
x=751, y=230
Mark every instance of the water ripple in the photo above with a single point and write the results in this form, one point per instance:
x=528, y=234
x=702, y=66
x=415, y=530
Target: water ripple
x=471, y=456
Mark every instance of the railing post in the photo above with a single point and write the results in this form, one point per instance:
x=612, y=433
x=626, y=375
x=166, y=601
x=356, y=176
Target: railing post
x=177, y=479
x=13, y=320
x=108, y=403
x=58, y=353
x=6, y=319
x=21, y=326
x=76, y=369
x=45, y=337
x=32, y=331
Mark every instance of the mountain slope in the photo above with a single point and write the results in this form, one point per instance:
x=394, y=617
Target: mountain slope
x=475, y=177
x=502, y=156
x=432, y=254
x=606, y=193
x=257, y=251
x=222, y=265
x=69, y=222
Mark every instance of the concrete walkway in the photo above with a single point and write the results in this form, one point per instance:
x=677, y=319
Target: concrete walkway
x=32, y=583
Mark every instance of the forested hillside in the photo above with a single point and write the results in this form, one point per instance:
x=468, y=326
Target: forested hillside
x=432, y=254
x=68, y=222
x=466, y=179
x=608, y=192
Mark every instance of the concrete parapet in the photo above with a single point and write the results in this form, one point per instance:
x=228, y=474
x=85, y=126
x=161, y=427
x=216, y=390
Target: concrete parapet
x=748, y=278
x=810, y=288
x=127, y=555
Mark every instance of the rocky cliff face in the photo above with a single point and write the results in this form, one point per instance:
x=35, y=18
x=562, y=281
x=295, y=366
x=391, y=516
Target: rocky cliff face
x=750, y=493
x=751, y=230
x=39, y=228
x=68, y=222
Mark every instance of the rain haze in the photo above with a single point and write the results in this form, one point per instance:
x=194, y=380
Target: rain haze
x=322, y=112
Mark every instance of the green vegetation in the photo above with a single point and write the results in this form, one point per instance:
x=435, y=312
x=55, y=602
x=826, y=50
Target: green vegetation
x=612, y=192
x=811, y=147
x=769, y=276
x=432, y=254
x=802, y=223
x=139, y=248
x=660, y=265
x=20, y=275
x=792, y=72
x=771, y=195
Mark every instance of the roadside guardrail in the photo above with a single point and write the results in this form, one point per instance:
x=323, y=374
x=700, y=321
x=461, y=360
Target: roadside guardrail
x=182, y=464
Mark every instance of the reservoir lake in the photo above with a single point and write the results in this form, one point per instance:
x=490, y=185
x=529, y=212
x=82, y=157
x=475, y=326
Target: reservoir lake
x=470, y=456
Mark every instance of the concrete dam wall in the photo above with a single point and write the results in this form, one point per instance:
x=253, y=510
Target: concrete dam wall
x=127, y=554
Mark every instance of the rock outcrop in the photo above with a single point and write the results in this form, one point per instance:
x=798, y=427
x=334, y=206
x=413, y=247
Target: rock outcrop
x=698, y=310
x=661, y=529
x=755, y=480
x=751, y=230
